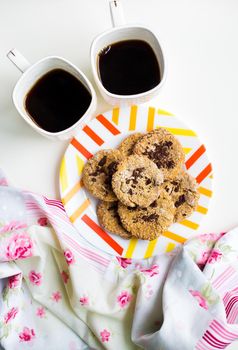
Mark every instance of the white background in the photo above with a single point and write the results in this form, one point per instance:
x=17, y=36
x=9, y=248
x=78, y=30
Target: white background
x=200, y=39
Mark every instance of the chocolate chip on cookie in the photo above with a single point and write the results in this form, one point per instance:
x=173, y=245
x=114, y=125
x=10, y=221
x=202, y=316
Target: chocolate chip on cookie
x=148, y=223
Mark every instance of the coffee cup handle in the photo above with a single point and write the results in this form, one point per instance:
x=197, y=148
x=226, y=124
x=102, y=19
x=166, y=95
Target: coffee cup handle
x=18, y=59
x=117, y=14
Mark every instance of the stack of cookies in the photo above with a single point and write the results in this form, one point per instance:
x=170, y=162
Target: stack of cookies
x=142, y=186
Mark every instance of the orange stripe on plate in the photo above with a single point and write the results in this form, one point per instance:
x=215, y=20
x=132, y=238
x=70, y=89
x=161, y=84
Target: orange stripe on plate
x=201, y=209
x=174, y=237
x=105, y=236
x=81, y=148
x=205, y=191
x=108, y=125
x=197, y=154
x=72, y=192
x=132, y=125
x=190, y=224
x=80, y=210
x=151, y=119
x=203, y=174
x=115, y=115
x=93, y=135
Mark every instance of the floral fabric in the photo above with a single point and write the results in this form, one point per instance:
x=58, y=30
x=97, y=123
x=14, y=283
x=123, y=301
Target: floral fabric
x=59, y=292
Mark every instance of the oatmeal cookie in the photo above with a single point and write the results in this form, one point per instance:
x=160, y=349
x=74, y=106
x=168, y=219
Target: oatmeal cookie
x=110, y=220
x=136, y=181
x=97, y=174
x=184, y=193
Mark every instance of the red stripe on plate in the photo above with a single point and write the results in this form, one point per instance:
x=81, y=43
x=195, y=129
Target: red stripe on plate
x=204, y=173
x=194, y=157
x=109, y=126
x=81, y=148
x=105, y=236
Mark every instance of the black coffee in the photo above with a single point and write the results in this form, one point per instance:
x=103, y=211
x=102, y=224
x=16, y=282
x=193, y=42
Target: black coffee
x=57, y=101
x=128, y=67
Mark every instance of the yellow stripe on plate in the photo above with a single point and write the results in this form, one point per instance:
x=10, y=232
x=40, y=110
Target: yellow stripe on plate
x=187, y=150
x=182, y=132
x=150, y=248
x=72, y=192
x=80, y=210
x=131, y=247
x=132, y=125
x=211, y=176
x=170, y=247
x=174, y=237
x=115, y=115
x=161, y=111
x=205, y=191
x=63, y=175
x=190, y=224
x=80, y=164
x=151, y=119
x=201, y=209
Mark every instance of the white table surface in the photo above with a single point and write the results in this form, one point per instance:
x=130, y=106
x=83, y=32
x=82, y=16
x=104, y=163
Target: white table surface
x=200, y=39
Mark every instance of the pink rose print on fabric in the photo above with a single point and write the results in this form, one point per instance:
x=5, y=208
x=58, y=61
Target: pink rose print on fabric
x=40, y=312
x=27, y=334
x=124, y=262
x=200, y=298
x=84, y=301
x=69, y=257
x=105, y=335
x=20, y=247
x=42, y=221
x=35, y=278
x=152, y=271
x=13, y=225
x=215, y=256
x=56, y=296
x=203, y=258
x=65, y=276
x=209, y=237
x=11, y=315
x=124, y=298
x=3, y=182
x=14, y=281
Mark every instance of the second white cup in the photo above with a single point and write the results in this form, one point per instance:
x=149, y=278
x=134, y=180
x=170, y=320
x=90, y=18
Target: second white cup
x=122, y=32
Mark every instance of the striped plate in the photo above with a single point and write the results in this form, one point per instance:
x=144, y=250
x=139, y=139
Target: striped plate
x=107, y=131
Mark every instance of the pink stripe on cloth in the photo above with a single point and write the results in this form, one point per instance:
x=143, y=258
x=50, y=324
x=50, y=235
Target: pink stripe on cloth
x=214, y=341
x=223, y=277
x=56, y=215
x=217, y=336
x=86, y=252
x=224, y=330
x=203, y=345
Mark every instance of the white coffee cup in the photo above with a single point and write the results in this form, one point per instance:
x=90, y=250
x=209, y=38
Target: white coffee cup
x=122, y=32
x=31, y=74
